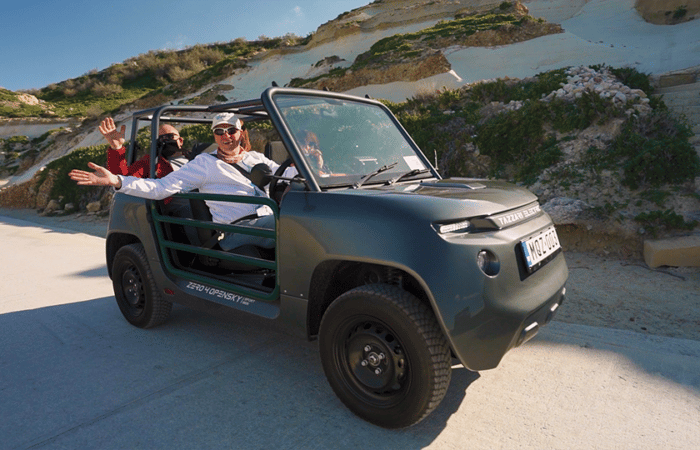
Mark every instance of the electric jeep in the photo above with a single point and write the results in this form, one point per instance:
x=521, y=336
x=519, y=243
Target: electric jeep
x=396, y=271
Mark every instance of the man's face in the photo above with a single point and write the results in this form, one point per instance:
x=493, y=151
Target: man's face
x=228, y=138
x=170, y=133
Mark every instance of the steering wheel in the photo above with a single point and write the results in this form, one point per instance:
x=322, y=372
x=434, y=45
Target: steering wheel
x=277, y=186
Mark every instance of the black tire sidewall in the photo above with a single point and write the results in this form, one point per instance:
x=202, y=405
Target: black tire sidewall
x=386, y=305
x=154, y=308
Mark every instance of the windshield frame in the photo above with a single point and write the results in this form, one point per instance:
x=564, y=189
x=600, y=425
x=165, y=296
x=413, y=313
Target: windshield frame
x=269, y=99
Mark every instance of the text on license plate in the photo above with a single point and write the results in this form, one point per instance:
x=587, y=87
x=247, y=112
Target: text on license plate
x=540, y=246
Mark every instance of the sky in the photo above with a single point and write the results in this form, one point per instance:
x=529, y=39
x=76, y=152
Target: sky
x=44, y=42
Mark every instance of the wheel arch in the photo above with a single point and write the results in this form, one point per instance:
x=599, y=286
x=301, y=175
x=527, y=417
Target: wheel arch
x=115, y=241
x=334, y=277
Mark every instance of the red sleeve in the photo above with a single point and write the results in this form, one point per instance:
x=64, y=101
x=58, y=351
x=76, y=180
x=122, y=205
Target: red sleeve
x=116, y=161
x=140, y=168
x=163, y=167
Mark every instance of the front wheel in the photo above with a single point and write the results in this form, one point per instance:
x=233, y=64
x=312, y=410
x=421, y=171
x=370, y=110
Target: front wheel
x=135, y=289
x=385, y=355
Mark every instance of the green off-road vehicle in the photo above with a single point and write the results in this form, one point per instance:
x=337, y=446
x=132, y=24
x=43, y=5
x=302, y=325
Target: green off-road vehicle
x=393, y=269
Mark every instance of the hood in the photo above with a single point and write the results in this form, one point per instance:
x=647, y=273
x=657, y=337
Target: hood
x=496, y=203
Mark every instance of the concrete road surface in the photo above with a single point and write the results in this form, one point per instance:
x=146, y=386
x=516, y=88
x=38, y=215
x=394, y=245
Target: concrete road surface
x=75, y=375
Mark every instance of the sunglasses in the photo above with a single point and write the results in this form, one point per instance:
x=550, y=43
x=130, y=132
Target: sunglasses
x=169, y=136
x=221, y=131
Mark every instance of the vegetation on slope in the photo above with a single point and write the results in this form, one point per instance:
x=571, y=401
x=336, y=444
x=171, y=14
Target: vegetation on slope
x=645, y=166
x=149, y=79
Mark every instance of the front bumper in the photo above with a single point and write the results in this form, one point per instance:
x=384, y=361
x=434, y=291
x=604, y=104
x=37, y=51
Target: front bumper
x=484, y=316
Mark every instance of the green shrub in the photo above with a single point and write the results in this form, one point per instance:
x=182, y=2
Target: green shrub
x=196, y=133
x=501, y=91
x=514, y=138
x=64, y=186
x=535, y=163
x=653, y=221
x=656, y=151
x=582, y=112
x=17, y=140
x=656, y=196
x=634, y=79
x=680, y=12
x=45, y=136
x=424, y=125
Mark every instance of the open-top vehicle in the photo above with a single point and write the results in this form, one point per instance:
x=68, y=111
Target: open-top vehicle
x=395, y=270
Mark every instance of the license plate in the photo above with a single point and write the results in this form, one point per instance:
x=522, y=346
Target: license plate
x=540, y=247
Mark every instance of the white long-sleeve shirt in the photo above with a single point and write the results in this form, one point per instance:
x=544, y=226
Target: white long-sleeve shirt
x=211, y=176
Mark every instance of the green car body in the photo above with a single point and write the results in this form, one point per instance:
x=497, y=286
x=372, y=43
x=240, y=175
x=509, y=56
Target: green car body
x=454, y=246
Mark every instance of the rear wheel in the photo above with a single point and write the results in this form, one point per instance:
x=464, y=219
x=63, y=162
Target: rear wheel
x=384, y=355
x=135, y=289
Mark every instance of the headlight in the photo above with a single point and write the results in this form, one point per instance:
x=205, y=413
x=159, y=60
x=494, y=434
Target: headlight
x=488, y=263
x=444, y=228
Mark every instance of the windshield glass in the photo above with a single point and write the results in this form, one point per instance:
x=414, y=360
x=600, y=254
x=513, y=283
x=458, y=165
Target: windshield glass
x=349, y=143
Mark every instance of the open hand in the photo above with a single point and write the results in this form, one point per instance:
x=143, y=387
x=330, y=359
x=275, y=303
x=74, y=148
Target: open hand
x=114, y=138
x=100, y=177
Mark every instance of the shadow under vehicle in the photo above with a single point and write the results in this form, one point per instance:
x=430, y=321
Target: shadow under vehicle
x=393, y=269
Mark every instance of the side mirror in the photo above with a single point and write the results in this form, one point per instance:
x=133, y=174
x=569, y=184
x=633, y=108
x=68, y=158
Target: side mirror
x=261, y=175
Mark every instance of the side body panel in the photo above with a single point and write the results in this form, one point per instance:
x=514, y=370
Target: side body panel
x=130, y=222
x=481, y=316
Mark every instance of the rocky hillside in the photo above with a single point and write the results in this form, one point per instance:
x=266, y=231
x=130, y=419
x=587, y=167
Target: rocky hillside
x=610, y=163
x=418, y=55
x=19, y=103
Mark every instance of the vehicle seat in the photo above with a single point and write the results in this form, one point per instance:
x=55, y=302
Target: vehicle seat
x=197, y=148
x=276, y=151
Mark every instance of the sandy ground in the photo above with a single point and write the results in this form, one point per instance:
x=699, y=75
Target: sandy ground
x=603, y=292
x=628, y=295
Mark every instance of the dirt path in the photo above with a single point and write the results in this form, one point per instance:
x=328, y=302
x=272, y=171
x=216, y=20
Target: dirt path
x=628, y=295
x=603, y=292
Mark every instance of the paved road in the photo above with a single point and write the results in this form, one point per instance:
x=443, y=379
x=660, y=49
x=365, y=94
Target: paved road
x=75, y=375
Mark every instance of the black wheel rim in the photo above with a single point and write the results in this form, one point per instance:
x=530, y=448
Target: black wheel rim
x=372, y=362
x=133, y=291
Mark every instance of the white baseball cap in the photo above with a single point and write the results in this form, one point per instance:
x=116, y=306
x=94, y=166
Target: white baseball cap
x=227, y=118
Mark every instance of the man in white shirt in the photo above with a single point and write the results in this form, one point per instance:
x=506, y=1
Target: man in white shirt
x=210, y=173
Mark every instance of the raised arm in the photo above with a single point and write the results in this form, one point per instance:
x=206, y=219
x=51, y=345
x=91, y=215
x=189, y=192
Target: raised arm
x=100, y=177
x=115, y=138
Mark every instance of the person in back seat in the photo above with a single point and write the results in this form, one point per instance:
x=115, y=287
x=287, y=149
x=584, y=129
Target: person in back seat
x=170, y=158
x=221, y=173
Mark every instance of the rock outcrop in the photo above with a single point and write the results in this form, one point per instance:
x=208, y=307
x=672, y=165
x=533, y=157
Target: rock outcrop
x=415, y=56
x=668, y=12
x=384, y=14
x=414, y=69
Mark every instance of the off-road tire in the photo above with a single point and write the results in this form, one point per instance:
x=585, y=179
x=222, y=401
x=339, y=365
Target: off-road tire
x=385, y=355
x=135, y=289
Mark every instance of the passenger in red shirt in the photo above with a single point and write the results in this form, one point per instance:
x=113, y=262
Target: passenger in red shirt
x=116, y=154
